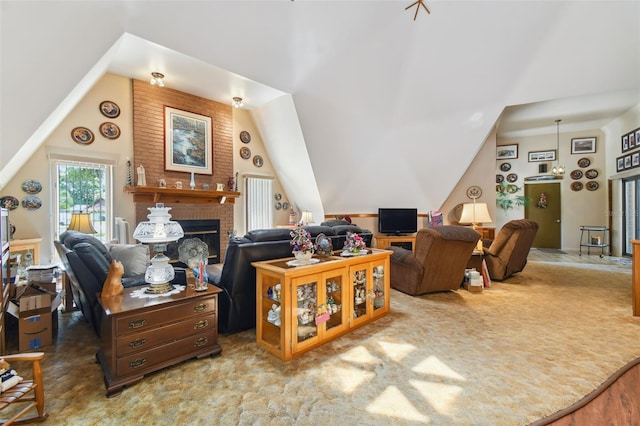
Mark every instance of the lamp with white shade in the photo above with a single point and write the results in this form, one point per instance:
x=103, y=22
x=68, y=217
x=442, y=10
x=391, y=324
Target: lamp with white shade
x=476, y=214
x=159, y=231
x=307, y=218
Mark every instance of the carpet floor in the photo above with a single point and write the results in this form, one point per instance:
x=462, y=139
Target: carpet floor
x=510, y=355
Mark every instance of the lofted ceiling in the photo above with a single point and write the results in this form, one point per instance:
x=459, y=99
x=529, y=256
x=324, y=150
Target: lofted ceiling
x=383, y=102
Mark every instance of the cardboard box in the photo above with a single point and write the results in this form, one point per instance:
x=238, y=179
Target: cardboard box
x=473, y=288
x=36, y=311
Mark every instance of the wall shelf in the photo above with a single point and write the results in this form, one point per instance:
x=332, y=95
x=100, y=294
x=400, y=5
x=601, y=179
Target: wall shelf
x=150, y=194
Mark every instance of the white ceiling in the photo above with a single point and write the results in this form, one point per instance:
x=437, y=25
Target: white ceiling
x=383, y=102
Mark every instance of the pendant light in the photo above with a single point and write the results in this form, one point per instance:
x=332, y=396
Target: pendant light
x=558, y=170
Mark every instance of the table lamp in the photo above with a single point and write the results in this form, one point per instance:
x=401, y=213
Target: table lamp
x=476, y=214
x=81, y=222
x=159, y=231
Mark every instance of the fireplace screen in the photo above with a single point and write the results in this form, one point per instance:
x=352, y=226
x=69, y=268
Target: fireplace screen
x=207, y=230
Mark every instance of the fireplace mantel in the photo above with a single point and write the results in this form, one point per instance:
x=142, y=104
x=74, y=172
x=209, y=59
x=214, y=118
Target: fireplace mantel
x=150, y=194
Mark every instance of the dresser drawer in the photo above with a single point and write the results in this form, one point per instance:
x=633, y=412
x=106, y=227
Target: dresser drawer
x=135, y=323
x=150, y=338
x=140, y=362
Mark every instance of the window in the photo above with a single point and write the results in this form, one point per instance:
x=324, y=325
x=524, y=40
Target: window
x=259, y=202
x=630, y=207
x=83, y=187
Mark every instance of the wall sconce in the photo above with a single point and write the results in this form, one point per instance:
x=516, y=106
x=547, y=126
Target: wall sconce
x=157, y=79
x=558, y=170
x=237, y=102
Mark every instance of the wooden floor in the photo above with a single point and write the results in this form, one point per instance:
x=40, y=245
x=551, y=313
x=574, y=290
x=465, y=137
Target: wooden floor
x=551, y=255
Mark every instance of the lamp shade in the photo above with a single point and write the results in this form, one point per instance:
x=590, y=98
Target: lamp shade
x=159, y=228
x=307, y=217
x=81, y=222
x=475, y=213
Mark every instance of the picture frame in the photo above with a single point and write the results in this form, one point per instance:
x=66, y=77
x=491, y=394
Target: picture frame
x=625, y=143
x=620, y=164
x=549, y=155
x=188, y=147
x=504, y=152
x=583, y=145
x=109, y=109
x=82, y=135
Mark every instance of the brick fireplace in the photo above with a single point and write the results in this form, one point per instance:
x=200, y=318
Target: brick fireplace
x=149, y=144
x=206, y=230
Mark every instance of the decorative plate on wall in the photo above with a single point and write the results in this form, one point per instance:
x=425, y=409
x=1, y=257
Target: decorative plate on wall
x=591, y=174
x=258, y=161
x=110, y=130
x=592, y=185
x=584, y=162
x=285, y=205
x=576, y=186
x=505, y=167
x=278, y=196
x=31, y=202
x=576, y=174
x=9, y=202
x=474, y=192
x=512, y=189
x=82, y=135
x=245, y=136
x=499, y=178
x=278, y=205
x=109, y=109
x=512, y=177
x=31, y=186
x=245, y=153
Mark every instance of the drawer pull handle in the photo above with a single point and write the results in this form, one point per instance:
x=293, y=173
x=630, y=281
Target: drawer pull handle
x=201, y=324
x=200, y=342
x=137, y=363
x=137, y=323
x=137, y=343
x=201, y=307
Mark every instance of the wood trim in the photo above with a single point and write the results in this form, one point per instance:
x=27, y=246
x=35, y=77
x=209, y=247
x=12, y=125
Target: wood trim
x=613, y=406
x=150, y=194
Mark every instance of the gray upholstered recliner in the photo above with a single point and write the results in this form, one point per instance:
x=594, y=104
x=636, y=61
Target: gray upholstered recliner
x=441, y=255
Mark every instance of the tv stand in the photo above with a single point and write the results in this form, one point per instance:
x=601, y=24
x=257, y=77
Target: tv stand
x=405, y=241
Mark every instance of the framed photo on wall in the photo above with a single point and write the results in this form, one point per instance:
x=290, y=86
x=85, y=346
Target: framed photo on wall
x=504, y=152
x=583, y=145
x=187, y=138
x=542, y=155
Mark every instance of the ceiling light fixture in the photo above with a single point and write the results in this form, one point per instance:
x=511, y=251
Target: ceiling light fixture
x=558, y=170
x=237, y=102
x=417, y=4
x=157, y=79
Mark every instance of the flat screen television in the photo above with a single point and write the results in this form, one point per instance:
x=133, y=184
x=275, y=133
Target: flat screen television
x=397, y=221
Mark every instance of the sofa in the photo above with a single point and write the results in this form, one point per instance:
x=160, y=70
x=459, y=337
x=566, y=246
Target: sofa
x=86, y=262
x=237, y=278
x=507, y=253
x=438, y=264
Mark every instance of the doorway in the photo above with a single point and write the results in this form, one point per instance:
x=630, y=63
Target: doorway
x=544, y=207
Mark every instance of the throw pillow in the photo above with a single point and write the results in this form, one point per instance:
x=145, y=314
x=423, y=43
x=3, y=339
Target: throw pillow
x=134, y=257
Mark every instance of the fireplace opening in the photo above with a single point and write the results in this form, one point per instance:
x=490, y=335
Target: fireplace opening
x=207, y=230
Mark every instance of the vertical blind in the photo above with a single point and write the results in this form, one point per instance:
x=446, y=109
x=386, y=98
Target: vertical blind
x=258, y=202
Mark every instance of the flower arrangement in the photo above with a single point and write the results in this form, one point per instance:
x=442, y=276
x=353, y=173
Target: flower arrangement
x=354, y=243
x=301, y=240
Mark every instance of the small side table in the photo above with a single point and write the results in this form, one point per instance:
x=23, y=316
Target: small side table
x=475, y=261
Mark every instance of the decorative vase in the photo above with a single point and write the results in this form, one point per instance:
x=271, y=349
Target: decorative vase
x=192, y=184
x=303, y=256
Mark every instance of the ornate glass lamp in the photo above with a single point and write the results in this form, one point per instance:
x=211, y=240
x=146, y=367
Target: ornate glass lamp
x=159, y=231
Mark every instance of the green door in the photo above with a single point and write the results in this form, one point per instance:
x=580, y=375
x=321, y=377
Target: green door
x=544, y=207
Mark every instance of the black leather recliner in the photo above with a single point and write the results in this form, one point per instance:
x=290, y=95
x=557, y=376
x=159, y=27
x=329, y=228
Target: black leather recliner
x=86, y=261
x=237, y=278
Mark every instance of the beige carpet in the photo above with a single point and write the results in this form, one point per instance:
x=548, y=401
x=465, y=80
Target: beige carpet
x=508, y=356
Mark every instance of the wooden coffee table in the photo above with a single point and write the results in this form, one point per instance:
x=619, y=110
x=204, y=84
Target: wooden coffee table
x=141, y=335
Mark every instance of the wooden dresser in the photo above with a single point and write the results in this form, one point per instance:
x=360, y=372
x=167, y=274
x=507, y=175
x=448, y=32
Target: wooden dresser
x=141, y=335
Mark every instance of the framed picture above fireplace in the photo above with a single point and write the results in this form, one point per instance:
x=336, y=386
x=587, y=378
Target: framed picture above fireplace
x=187, y=142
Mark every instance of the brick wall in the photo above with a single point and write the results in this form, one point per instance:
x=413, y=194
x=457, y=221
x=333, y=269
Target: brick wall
x=148, y=150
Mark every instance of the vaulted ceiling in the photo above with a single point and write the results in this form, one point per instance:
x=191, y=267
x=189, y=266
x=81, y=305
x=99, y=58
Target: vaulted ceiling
x=390, y=110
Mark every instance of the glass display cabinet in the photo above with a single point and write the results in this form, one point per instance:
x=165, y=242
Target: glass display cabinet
x=302, y=307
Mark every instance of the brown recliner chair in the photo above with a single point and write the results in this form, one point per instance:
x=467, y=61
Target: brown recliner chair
x=507, y=253
x=441, y=255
